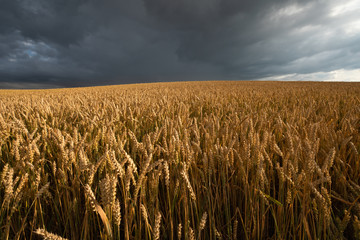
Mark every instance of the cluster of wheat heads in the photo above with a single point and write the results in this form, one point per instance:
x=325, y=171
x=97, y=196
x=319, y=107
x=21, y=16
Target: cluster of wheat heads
x=225, y=160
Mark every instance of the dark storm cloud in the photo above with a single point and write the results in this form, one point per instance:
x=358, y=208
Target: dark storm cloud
x=92, y=42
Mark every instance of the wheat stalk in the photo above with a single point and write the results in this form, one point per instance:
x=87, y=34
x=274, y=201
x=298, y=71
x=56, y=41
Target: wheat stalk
x=47, y=235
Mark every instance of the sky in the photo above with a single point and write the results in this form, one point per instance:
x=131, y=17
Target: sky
x=71, y=43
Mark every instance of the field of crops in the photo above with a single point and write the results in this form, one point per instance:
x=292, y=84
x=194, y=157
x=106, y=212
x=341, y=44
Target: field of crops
x=198, y=160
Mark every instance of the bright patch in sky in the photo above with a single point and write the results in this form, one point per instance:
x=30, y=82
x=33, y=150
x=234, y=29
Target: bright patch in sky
x=28, y=49
x=287, y=11
x=30, y=53
x=345, y=75
x=349, y=6
x=290, y=10
x=341, y=75
x=352, y=28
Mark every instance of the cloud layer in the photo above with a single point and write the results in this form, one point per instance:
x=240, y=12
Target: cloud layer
x=49, y=43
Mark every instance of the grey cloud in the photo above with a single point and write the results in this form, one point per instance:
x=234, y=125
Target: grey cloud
x=92, y=42
x=57, y=21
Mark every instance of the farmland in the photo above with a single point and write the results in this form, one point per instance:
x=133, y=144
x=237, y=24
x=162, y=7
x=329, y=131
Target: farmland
x=186, y=160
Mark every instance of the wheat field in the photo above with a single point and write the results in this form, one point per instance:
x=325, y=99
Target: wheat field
x=190, y=160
